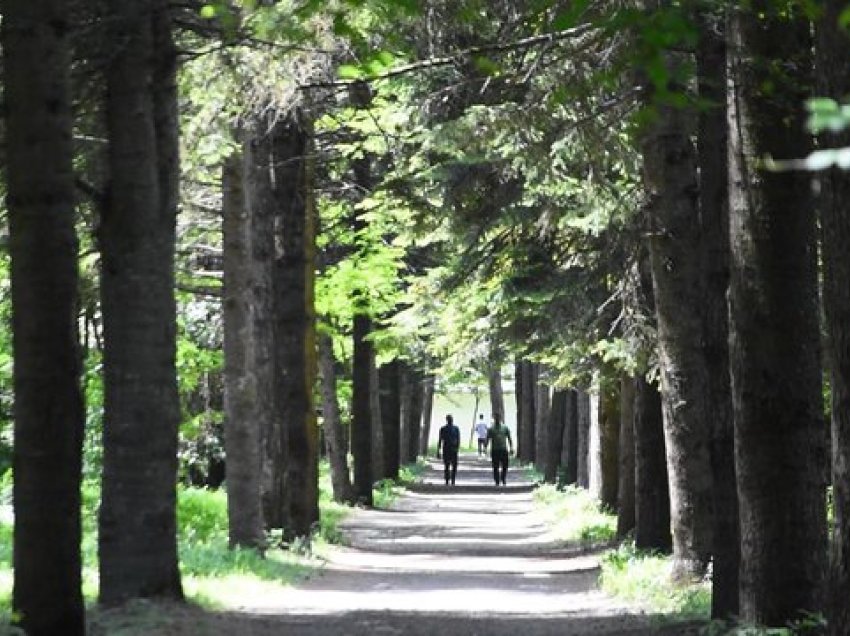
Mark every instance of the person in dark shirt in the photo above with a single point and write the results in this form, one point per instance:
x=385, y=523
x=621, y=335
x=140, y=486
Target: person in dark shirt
x=500, y=437
x=449, y=442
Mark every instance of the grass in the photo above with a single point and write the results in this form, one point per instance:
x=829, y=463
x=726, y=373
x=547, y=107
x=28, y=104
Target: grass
x=640, y=577
x=214, y=576
x=388, y=490
x=644, y=578
x=574, y=515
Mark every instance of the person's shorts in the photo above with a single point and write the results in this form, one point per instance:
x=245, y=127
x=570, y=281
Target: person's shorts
x=449, y=457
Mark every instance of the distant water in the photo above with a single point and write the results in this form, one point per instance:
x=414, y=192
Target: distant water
x=462, y=406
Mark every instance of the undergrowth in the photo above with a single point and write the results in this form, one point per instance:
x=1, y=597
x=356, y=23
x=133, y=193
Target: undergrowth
x=574, y=515
x=213, y=575
x=644, y=578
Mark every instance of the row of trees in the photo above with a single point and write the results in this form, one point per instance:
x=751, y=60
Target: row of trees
x=393, y=194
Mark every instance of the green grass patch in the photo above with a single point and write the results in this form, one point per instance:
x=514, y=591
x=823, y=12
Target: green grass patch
x=644, y=578
x=387, y=491
x=574, y=515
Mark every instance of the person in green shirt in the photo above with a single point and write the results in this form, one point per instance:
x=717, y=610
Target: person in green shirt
x=501, y=446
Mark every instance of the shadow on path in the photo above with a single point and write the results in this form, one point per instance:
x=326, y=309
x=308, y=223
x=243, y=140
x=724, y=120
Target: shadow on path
x=467, y=560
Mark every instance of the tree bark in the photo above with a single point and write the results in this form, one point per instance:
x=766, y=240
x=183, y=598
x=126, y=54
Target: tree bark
x=519, y=388
x=241, y=431
x=832, y=46
x=609, y=442
x=334, y=435
x=388, y=376
x=260, y=206
x=361, y=421
x=293, y=326
x=774, y=347
x=652, y=500
x=569, y=454
x=542, y=406
x=427, y=410
x=670, y=179
x=48, y=408
x=557, y=422
x=494, y=383
x=583, y=439
x=377, y=421
x=626, y=487
x=526, y=433
x=714, y=232
x=414, y=416
x=137, y=538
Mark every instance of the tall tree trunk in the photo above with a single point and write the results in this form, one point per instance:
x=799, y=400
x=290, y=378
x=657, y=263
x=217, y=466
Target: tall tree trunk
x=413, y=425
x=626, y=487
x=583, y=438
x=405, y=406
x=334, y=435
x=137, y=538
x=569, y=453
x=774, y=347
x=609, y=442
x=526, y=404
x=260, y=205
x=388, y=380
x=557, y=421
x=542, y=406
x=519, y=387
x=294, y=326
x=427, y=411
x=361, y=421
x=48, y=408
x=714, y=232
x=832, y=47
x=670, y=179
x=494, y=383
x=652, y=500
x=241, y=431
x=377, y=421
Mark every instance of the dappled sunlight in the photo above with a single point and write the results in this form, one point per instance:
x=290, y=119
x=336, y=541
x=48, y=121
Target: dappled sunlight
x=454, y=550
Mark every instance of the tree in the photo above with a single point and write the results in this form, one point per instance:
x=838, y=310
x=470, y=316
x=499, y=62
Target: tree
x=335, y=438
x=773, y=322
x=48, y=408
x=832, y=46
x=712, y=155
x=670, y=180
x=361, y=422
x=137, y=538
x=390, y=394
x=626, y=485
x=294, y=322
x=242, y=401
x=557, y=421
x=652, y=501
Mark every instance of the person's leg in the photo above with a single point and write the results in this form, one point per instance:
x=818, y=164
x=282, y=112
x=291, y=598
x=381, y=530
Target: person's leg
x=454, y=468
x=446, y=465
x=504, y=467
x=494, y=458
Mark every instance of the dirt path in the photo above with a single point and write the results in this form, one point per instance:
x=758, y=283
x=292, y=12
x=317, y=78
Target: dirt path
x=466, y=560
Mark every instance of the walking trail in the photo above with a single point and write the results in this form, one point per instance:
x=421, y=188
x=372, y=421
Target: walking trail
x=464, y=560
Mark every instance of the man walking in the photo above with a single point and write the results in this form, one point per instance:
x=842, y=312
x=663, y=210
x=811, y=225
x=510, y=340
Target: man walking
x=481, y=432
x=500, y=437
x=449, y=441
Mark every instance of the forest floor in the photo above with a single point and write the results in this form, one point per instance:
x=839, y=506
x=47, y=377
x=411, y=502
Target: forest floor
x=469, y=559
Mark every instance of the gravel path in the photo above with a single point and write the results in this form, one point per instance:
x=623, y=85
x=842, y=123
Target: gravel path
x=463, y=560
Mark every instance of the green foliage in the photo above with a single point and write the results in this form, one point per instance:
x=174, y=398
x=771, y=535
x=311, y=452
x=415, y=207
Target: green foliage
x=644, y=577
x=574, y=515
